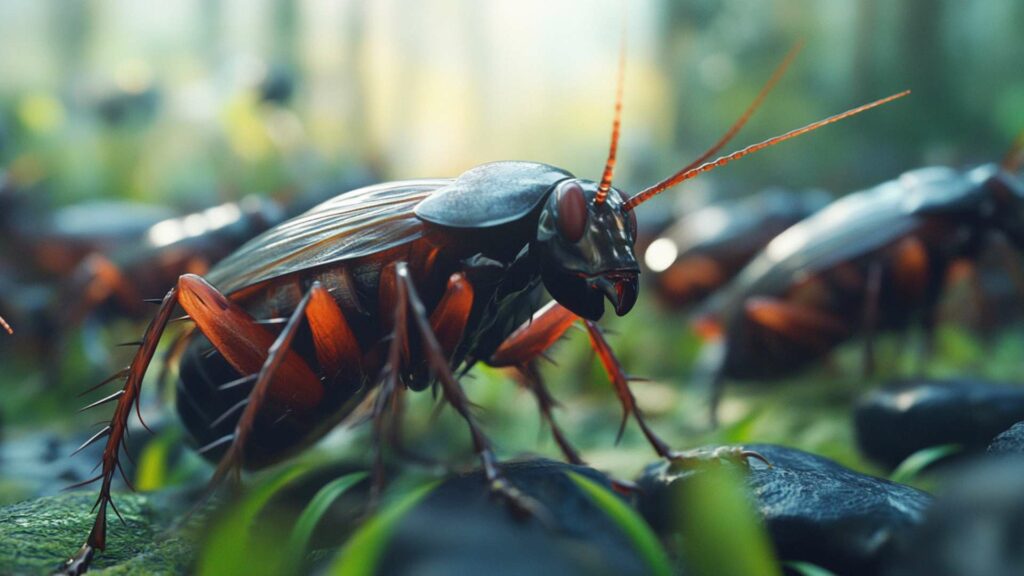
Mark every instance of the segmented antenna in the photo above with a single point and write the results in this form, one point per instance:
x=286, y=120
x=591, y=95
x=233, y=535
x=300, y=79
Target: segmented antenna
x=780, y=70
x=1014, y=158
x=679, y=177
x=609, y=166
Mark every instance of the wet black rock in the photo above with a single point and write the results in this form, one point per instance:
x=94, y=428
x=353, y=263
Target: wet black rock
x=814, y=509
x=907, y=416
x=461, y=528
x=975, y=527
x=1009, y=442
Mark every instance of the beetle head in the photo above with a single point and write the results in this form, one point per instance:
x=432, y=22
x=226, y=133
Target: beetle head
x=585, y=249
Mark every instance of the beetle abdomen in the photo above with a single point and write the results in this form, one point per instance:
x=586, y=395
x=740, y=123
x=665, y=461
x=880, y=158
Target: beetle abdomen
x=210, y=401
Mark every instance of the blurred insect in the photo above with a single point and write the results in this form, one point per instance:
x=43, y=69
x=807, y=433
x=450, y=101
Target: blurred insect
x=873, y=260
x=701, y=251
x=391, y=287
x=164, y=251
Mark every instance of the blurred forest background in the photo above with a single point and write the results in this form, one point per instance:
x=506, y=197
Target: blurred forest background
x=194, y=102
x=200, y=100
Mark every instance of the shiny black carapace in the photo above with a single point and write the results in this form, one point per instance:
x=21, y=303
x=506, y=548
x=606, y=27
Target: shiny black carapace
x=388, y=288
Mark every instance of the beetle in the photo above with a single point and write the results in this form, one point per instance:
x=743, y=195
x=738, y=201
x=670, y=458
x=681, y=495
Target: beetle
x=394, y=287
x=872, y=260
x=702, y=250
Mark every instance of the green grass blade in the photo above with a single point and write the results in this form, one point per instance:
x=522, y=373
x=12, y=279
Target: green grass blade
x=314, y=511
x=232, y=549
x=808, y=569
x=911, y=468
x=362, y=553
x=721, y=534
x=634, y=527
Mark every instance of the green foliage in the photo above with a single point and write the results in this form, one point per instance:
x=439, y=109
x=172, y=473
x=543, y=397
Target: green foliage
x=911, y=468
x=311, y=515
x=808, y=569
x=720, y=534
x=639, y=533
x=233, y=547
x=362, y=553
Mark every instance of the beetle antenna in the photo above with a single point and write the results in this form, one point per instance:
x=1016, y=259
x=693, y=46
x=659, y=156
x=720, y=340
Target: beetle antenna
x=1014, y=158
x=780, y=70
x=684, y=175
x=609, y=166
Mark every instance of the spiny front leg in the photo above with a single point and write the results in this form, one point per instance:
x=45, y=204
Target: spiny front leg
x=438, y=363
x=521, y=350
x=114, y=432
x=620, y=381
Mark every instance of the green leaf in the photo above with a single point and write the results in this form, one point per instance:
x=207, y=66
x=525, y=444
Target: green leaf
x=911, y=468
x=808, y=569
x=721, y=535
x=635, y=528
x=152, y=472
x=362, y=553
x=232, y=548
x=314, y=511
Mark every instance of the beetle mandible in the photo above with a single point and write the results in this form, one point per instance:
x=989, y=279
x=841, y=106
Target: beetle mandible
x=396, y=286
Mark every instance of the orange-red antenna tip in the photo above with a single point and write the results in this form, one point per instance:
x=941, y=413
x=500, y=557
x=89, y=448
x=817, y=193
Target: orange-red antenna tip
x=613, y=149
x=679, y=177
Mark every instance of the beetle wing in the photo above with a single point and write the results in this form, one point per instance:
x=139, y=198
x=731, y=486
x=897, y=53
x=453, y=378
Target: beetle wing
x=491, y=194
x=355, y=224
x=848, y=228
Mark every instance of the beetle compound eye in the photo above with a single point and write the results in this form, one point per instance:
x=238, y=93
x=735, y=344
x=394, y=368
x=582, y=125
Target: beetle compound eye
x=572, y=211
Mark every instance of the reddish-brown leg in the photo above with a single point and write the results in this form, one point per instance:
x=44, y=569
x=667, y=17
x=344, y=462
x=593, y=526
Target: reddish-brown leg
x=233, y=459
x=5, y=325
x=236, y=335
x=871, y=296
x=802, y=324
x=523, y=347
x=545, y=328
x=96, y=280
x=546, y=403
x=439, y=366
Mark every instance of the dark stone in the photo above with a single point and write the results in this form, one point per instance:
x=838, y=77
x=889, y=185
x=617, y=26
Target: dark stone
x=461, y=528
x=814, y=509
x=1009, y=442
x=907, y=416
x=976, y=526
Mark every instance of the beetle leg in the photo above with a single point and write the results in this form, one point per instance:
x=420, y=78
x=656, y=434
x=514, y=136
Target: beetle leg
x=802, y=324
x=5, y=325
x=527, y=343
x=242, y=342
x=231, y=462
x=456, y=396
x=97, y=539
x=546, y=403
x=871, y=297
x=96, y=280
x=534, y=337
x=336, y=346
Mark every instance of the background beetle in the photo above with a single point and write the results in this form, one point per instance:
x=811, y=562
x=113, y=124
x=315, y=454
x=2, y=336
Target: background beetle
x=395, y=286
x=701, y=251
x=872, y=260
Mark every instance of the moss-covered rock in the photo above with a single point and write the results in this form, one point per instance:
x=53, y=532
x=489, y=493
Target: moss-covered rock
x=39, y=534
